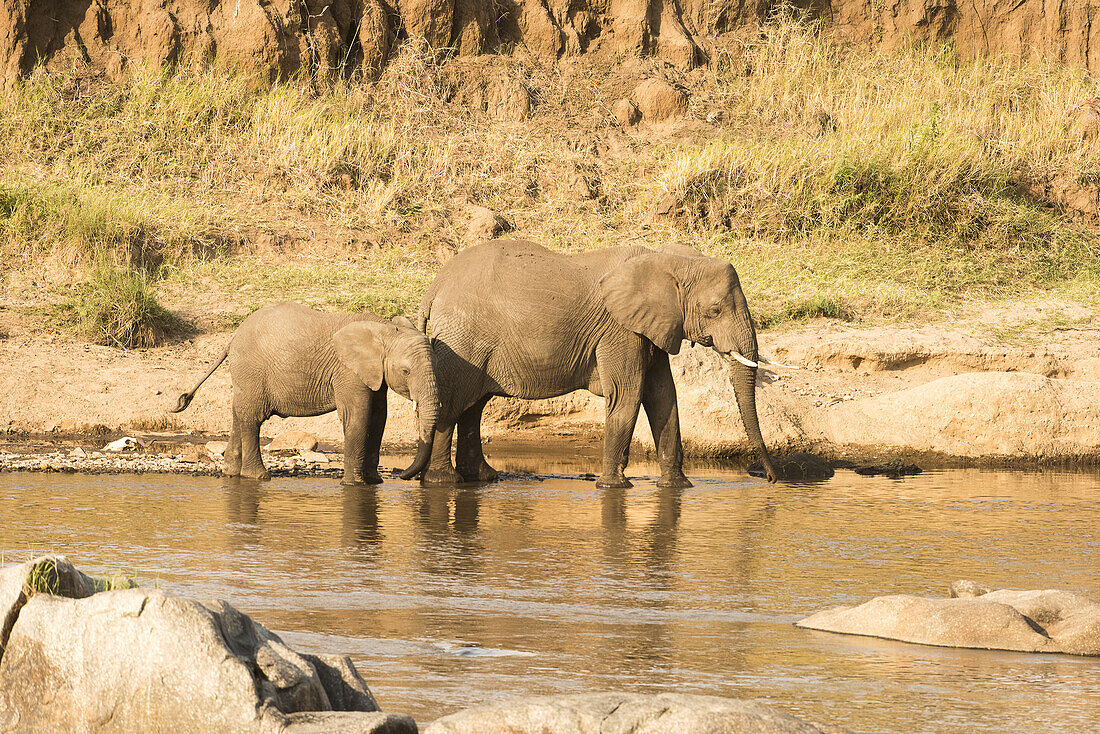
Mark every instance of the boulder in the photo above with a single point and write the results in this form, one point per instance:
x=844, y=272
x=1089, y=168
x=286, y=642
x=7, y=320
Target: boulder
x=50, y=574
x=658, y=100
x=81, y=658
x=1023, y=621
x=986, y=414
x=292, y=440
x=623, y=713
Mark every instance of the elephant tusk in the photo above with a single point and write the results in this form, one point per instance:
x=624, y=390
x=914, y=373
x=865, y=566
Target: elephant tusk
x=743, y=360
x=415, y=404
x=765, y=360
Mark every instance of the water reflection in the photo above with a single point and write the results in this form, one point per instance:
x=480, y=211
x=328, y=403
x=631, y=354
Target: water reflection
x=448, y=597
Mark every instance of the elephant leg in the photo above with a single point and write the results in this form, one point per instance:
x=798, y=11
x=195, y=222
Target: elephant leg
x=376, y=426
x=469, y=455
x=659, y=400
x=232, y=454
x=440, y=471
x=624, y=398
x=247, y=426
x=354, y=407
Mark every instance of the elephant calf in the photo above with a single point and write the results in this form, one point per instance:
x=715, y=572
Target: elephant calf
x=290, y=360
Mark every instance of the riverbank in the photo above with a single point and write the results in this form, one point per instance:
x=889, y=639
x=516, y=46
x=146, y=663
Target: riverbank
x=1017, y=385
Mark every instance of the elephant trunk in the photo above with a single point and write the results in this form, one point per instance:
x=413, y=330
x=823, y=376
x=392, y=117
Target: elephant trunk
x=744, y=382
x=422, y=389
x=744, y=387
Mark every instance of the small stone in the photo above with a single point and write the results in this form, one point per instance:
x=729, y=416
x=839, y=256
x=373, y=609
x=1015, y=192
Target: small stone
x=78, y=453
x=217, y=448
x=156, y=391
x=126, y=443
x=486, y=224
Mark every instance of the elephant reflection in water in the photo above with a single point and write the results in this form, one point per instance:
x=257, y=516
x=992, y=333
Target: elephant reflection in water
x=242, y=510
x=362, y=525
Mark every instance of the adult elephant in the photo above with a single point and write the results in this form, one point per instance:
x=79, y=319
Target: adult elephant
x=290, y=360
x=512, y=318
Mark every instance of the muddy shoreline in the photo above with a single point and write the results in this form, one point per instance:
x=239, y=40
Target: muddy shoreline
x=946, y=395
x=190, y=455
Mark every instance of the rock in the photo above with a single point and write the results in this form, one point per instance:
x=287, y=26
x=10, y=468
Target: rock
x=988, y=414
x=216, y=448
x=126, y=443
x=195, y=454
x=485, y=224
x=292, y=440
x=1024, y=621
x=145, y=660
x=78, y=453
x=658, y=100
x=626, y=113
x=1085, y=120
x=53, y=574
x=314, y=457
x=894, y=469
x=622, y=713
x=967, y=589
x=805, y=467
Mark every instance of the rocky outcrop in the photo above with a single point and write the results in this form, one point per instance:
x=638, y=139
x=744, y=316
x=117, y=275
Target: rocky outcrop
x=82, y=658
x=1033, y=30
x=1023, y=621
x=344, y=37
x=624, y=713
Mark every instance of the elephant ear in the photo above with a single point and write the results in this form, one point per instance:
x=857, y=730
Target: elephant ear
x=402, y=320
x=643, y=296
x=360, y=347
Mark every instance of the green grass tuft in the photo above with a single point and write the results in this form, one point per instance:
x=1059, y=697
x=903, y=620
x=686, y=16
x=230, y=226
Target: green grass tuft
x=117, y=308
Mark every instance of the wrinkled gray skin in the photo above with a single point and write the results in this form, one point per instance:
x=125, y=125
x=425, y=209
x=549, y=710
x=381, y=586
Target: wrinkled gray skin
x=515, y=319
x=289, y=360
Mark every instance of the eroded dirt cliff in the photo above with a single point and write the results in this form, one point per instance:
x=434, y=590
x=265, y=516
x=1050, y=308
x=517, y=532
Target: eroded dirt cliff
x=330, y=38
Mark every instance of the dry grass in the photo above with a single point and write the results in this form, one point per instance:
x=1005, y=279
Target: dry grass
x=906, y=206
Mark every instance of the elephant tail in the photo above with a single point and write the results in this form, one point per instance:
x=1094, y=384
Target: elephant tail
x=187, y=397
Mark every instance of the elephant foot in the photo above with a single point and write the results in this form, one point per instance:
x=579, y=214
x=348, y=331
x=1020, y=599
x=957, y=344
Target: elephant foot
x=359, y=481
x=613, y=481
x=262, y=474
x=483, y=473
x=445, y=477
x=674, y=480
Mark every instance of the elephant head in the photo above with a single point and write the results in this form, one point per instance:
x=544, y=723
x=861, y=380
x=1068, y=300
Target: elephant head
x=402, y=357
x=678, y=294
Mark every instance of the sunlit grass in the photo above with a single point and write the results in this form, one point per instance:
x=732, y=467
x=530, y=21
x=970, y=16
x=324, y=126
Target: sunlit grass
x=908, y=205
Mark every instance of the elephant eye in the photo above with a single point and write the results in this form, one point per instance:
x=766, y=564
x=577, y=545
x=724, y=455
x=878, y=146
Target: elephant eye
x=714, y=312
x=405, y=371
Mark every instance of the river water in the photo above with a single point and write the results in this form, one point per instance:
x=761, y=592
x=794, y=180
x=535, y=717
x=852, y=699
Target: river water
x=544, y=584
